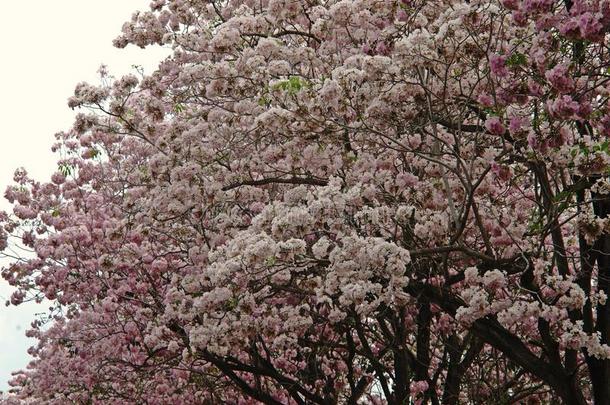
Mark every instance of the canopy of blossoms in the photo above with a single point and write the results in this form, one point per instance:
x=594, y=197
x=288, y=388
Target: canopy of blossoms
x=329, y=202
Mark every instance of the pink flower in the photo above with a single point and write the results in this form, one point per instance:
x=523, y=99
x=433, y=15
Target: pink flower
x=497, y=64
x=584, y=109
x=417, y=387
x=402, y=16
x=590, y=27
x=534, y=88
x=406, y=180
x=510, y=4
x=382, y=48
x=563, y=107
x=537, y=5
x=560, y=79
x=516, y=124
x=519, y=18
x=485, y=100
x=24, y=212
x=570, y=28
x=495, y=126
x=604, y=125
x=501, y=172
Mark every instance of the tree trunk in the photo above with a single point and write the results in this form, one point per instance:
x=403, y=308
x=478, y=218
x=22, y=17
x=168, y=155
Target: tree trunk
x=599, y=370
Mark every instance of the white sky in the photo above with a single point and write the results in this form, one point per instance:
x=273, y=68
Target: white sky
x=48, y=47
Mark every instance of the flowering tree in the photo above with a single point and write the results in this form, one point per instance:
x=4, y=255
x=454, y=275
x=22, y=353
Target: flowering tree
x=330, y=202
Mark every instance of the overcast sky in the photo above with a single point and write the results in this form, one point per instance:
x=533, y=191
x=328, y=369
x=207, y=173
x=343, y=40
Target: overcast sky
x=48, y=47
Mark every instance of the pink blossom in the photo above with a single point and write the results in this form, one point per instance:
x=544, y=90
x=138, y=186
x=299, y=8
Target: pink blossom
x=534, y=88
x=563, y=107
x=417, y=387
x=560, y=79
x=591, y=27
x=570, y=28
x=511, y=4
x=497, y=64
x=485, y=100
x=301, y=191
x=494, y=126
x=519, y=18
x=537, y=5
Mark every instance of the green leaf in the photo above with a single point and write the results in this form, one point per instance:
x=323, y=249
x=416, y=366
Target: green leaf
x=583, y=149
x=66, y=169
x=516, y=59
x=270, y=261
x=535, y=222
x=264, y=101
x=292, y=86
x=95, y=152
x=231, y=304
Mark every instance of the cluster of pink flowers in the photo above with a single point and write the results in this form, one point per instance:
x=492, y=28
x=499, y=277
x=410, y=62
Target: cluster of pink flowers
x=348, y=201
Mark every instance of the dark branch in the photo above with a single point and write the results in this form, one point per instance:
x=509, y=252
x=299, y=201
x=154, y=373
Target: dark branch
x=277, y=180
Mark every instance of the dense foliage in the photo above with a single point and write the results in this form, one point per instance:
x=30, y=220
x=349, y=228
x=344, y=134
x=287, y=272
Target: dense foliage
x=330, y=202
